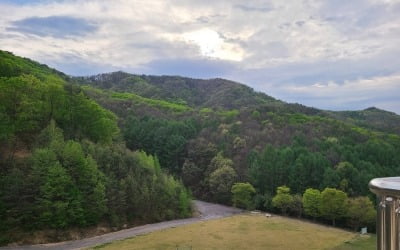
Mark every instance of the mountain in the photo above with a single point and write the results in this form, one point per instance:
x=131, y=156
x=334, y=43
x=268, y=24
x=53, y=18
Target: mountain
x=124, y=148
x=194, y=92
x=191, y=123
x=372, y=118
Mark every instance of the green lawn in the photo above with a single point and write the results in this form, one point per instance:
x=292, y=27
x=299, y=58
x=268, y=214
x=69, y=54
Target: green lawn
x=365, y=242
x=248, y=232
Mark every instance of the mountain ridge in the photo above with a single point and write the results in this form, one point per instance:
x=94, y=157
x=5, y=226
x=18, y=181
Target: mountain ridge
x=220, y=93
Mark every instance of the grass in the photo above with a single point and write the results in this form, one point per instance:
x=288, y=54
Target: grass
x=248, y=232
x=363, y=242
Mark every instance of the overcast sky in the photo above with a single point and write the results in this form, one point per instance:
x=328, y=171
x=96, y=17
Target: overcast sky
x=329, y=54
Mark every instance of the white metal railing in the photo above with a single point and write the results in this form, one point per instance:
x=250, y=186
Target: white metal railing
x=388, y=221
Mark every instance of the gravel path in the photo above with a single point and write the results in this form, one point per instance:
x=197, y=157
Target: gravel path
x=207, y=211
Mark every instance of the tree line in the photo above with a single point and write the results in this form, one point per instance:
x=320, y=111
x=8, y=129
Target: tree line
x=329, y=205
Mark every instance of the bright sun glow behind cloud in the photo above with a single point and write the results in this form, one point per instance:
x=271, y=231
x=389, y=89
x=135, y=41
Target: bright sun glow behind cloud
x=211, y=44
x=333, y=54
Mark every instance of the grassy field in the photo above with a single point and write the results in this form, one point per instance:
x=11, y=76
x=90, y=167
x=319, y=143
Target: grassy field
x=359, y=243
x=248, y=232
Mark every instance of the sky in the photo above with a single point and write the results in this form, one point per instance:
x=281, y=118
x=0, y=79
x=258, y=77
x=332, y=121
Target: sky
x=328, y=54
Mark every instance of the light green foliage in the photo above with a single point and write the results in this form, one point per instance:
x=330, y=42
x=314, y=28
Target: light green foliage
x=333, y=204
x=220, y=183
x=176, y=107
x=312, y=202
x=256, y=115
x=28, y=103
x=360, y=212
x=21, y=103
x=206, y=110
x=239, y=143
x=148, y=161
x=219, y=161
x=243, y=195
x=229, y=115
x=283, y=200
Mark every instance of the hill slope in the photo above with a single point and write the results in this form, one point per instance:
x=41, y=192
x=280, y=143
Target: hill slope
x=63, y=164
x=196, y=126
x=214, y=93
x=210, y=134
x=372, y=118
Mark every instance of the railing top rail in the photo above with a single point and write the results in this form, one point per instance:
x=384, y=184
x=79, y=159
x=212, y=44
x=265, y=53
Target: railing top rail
x=385, y=186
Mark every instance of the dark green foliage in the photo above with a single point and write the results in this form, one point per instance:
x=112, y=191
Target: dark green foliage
x=210, y=133
x=164, y=138
x=296, y=208
x=48, y=182
x=270, y=143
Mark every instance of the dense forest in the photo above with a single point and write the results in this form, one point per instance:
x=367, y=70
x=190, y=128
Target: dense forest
x=215, y=133
x=64, y=163
x=129, y=149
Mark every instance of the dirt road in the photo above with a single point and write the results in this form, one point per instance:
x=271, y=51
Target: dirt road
x=207, y=211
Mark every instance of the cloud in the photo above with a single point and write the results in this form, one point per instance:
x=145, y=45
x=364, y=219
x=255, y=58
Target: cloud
x=381, y=92
x=275, y=46
x=248, y=8
x=198, y=68
x=55, y=26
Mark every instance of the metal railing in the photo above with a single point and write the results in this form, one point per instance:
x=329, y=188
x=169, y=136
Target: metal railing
x=388, y=221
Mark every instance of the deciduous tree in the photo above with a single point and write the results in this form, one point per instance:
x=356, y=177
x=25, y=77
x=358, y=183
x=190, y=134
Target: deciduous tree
x=283, y=200
x=333, y=204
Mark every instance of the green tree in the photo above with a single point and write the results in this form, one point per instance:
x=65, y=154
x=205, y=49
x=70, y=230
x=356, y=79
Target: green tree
x=219, y=161
x=283, y=200
x=333, y=204
x=191, y=173
x=312, y=202
x=330, y=179
x=88, y=179
x=220, y=182
x=297, y=206
x=242, y=195
x=58, y=204
x=360, y=212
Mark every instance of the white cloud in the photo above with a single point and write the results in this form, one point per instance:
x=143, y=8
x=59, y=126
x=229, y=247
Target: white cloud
x=279, y=44
x=357, y=94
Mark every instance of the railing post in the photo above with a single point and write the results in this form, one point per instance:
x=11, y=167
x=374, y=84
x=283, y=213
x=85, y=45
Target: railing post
x=388, y=219
x=390, y=224
x=380, y=225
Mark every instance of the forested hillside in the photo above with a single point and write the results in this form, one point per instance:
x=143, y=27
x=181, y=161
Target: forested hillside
x=214, y=133
x=78, y=151
x=372, y=118
x=64, y=164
